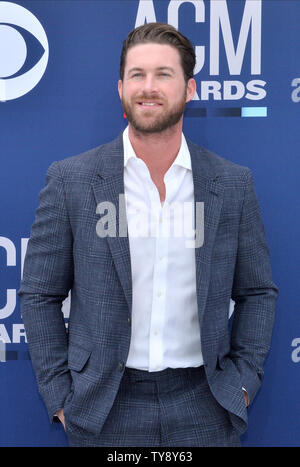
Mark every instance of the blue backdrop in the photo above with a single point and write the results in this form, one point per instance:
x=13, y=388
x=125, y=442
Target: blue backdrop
x=59, y=64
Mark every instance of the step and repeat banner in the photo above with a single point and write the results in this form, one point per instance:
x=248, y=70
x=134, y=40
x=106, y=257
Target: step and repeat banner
x=59, y=68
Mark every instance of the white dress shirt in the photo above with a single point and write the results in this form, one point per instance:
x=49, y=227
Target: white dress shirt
x=165, y=325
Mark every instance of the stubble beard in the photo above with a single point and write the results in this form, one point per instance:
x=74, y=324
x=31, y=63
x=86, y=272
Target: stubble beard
x=154, y=125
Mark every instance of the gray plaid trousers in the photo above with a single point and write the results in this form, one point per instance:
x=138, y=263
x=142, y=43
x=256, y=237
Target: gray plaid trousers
x=173, y=407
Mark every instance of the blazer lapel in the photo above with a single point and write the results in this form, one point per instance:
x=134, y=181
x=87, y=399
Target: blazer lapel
x=109, y=190
x=208, y=190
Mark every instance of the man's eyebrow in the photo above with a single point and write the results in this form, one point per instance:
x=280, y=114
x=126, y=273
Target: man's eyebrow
x=166, y=68
x=160, y=68
x=134, y=69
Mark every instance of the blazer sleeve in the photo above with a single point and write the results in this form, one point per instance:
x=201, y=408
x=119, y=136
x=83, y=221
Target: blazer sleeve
x=254, y=294
x=47, y=279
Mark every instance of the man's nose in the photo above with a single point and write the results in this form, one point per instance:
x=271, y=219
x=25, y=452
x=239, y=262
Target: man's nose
x=150, y=84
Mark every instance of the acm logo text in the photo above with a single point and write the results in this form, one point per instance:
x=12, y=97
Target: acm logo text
x=295, y=355
x=296, y=92
x=14, y=333
x=220, y=29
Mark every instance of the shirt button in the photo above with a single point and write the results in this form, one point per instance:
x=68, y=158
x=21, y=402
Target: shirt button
x=121, y=366
x=159, y=293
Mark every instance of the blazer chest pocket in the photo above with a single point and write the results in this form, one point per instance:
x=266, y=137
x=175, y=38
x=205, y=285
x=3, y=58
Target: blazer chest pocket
x=77, y=357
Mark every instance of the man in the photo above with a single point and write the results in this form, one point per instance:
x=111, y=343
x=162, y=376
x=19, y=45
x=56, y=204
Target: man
x=148, y=359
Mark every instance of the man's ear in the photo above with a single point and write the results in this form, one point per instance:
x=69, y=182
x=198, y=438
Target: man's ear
x=190, y=89
x=120, y=88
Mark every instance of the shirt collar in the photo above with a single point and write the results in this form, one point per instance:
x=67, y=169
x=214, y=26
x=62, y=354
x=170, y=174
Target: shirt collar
x=183, y=157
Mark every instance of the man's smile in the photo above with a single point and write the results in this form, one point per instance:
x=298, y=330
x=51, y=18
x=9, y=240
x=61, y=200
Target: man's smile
x=149, y=104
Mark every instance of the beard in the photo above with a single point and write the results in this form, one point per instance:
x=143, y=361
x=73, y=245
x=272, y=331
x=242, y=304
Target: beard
x=149, y=123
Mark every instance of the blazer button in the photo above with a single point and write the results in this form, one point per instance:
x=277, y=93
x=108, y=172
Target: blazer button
x=121, y=366
x=129, y=320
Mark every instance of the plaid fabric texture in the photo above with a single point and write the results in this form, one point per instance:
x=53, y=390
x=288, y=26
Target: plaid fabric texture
x=173, y=407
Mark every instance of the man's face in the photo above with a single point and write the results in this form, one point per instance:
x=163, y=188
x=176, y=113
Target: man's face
x=153, y=91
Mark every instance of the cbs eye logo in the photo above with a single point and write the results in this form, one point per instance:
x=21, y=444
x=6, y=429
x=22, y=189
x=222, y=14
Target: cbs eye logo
x=15, y=81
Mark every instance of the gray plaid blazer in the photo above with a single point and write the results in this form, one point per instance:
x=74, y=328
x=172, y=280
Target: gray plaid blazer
x=81, y=369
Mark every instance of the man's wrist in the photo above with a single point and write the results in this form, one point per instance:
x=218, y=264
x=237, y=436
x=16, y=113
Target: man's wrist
x=60, y=416
x=246, y=396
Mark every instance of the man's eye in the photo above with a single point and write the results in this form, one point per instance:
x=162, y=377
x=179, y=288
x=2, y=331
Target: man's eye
x=136, y=75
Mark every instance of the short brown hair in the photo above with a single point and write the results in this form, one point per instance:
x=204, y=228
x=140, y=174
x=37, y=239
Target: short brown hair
x=161, y=33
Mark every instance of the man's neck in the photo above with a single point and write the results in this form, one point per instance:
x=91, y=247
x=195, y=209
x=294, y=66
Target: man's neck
x=157, y=150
